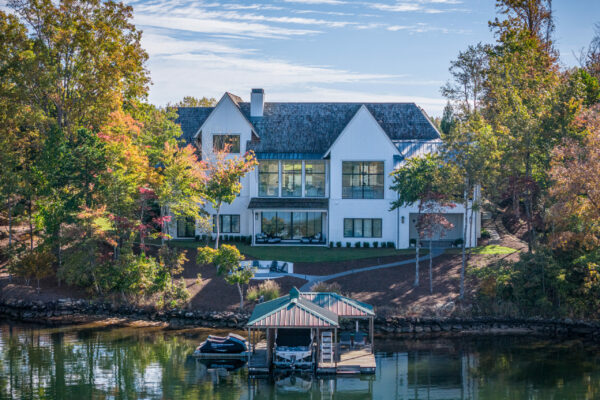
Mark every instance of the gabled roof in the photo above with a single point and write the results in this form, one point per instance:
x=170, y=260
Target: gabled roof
x=292, y=311
x=191, y=119
x=342, y=306
x=313, y=127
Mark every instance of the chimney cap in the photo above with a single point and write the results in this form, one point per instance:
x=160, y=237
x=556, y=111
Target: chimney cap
x=258, y=90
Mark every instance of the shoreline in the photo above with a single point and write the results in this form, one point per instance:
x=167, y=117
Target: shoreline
x=71, y=312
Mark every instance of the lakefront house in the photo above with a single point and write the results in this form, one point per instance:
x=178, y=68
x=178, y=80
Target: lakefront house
x=324, y=170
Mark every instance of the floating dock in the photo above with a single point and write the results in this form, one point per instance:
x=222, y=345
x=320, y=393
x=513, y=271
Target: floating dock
x=359, y=361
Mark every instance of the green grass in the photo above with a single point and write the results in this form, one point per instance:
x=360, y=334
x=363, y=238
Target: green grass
x=491, y=249
x=305, y=253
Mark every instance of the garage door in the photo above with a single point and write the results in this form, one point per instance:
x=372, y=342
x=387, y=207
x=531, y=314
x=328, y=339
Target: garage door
x=455, y=233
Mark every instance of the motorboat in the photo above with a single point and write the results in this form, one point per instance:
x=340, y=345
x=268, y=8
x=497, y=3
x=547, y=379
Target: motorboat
x=230, y=344
x=293, y=348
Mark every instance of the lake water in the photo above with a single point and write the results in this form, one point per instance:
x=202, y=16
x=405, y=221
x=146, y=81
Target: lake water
x=150, y=363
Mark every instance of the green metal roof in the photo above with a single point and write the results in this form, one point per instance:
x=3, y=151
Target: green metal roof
x=292, y=311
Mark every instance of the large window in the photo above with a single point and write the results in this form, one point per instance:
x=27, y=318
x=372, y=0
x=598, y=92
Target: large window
x=186, y=227
x=291, y=179
x=292, y=225
x=314, y=172
x=362, y=227
x=268, y=178
x=229, y=142
x=362, y=180
x=227, y=223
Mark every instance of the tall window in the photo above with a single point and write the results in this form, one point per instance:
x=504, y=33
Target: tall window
x=229, y=142
x=291, y=179
x=268, y=178
x=362, y=227
x=291, y=225
x=227, y=223
x=314, y=172
x=362, y=180
x=186, y=227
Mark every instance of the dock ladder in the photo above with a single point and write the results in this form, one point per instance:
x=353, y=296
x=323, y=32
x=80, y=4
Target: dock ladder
x=326, y=347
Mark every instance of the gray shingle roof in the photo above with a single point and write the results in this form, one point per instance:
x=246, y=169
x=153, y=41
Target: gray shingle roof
x=191, y=119
x=313, y=127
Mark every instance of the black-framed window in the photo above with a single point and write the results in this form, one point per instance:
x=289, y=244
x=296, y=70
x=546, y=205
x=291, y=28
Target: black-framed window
x=291, y=179
x=268, y=178
x=362, y=180
x=362, y=227
x=232, y=142
x=228, y=223
x=314, y=173
x=291, y=225
x=186, y=227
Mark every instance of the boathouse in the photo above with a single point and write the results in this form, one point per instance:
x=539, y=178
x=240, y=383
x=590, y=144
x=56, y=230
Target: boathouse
x=304, y=330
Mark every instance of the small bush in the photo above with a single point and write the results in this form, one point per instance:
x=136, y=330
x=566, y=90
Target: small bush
x=458, y=242
x=268, y=289
x=331, y=245
x=375, y=244
x=322, y=287
x=348, y=244
x=338, y=244
x=357, y=244
x=413, y=242
x=366, y=245
x=391, y=245
x=383, y=245
x=249, y=240
x=485, y=234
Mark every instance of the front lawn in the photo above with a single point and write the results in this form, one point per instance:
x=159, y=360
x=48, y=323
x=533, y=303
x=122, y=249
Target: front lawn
x=305, y=253
x=491, y=249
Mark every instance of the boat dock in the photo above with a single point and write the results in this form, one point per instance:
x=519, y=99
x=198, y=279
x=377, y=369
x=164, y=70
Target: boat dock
x=301, y=331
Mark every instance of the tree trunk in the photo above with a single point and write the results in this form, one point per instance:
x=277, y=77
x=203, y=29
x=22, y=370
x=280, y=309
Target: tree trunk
x=142, y=247
x=30, y=226
x=471, y=220
x=217, y=225
x=464, y=242
x=418, y=244
x=241, y=296
x=430, y=266
x=9, y=205
x=530, y=229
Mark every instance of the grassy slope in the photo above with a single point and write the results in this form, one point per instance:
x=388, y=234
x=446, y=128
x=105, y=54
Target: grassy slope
x=305, y=253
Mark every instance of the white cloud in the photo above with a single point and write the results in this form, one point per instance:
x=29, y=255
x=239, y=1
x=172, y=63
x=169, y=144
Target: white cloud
x=328, y=2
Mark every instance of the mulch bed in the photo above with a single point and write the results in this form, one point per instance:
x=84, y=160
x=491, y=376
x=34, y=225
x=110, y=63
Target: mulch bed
x=393, y=287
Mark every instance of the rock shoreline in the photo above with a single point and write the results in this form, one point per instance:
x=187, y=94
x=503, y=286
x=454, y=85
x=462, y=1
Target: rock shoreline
x=67, y=311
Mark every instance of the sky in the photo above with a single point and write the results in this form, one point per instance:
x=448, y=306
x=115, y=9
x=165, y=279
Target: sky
x=325, y=50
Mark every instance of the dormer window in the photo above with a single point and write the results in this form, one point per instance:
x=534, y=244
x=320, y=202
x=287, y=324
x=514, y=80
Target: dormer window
x=229, y=143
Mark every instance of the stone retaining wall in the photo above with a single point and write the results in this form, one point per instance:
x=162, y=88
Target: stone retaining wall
x=66, y=311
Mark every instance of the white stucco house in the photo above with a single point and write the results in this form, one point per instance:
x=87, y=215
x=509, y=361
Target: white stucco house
x=324, y=169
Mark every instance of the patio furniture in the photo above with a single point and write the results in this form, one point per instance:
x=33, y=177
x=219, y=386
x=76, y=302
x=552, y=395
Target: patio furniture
x=360, y=339
x=276, y=267
x=274, y=240
x=261, y=238
x=346, y=339
x=317, y=238
x=255, y=264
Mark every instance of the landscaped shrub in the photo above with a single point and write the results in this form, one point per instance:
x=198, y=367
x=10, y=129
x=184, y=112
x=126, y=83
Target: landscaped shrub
x=391, y=245
x=249, y=240
x=268, y=289
x=331, y=245
x=348, y=244
x=413, y=242
x=458, y=242
x=383, y=245
x=485, y=234
x=366, y=244
x=338, y=244
x=357, y=244
x=197, y=238
x=333, y=287
x=375, y=244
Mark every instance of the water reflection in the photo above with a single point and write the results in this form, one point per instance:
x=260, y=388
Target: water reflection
x=131, y=363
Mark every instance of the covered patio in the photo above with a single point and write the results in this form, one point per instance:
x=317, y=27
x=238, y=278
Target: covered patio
x=289, y=221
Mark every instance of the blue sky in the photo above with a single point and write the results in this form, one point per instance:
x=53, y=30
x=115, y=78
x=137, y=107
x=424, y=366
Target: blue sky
x=325, y=50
